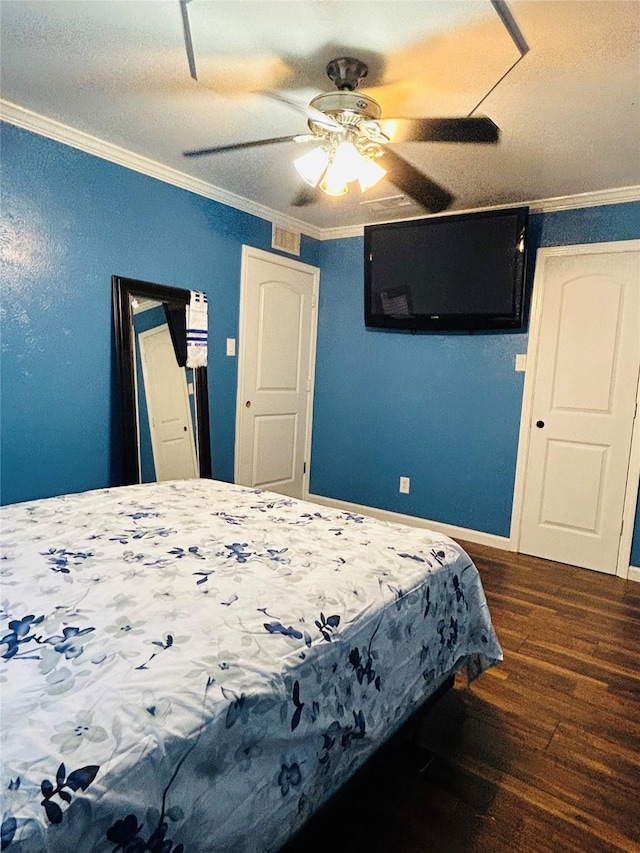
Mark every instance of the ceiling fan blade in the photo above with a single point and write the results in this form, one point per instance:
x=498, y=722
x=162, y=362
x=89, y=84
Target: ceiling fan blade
x=237, y=146
x=304, y=197
x=511, y=26
x=315, y=115
x=477, y=129
x=188, y=42
x=413, y=183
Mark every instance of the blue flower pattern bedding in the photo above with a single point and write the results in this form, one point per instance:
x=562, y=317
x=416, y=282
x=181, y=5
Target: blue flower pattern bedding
x=194, y=666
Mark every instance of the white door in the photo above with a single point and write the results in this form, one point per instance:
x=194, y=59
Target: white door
x=583, y=402
x=278, y=322
x=167, y=396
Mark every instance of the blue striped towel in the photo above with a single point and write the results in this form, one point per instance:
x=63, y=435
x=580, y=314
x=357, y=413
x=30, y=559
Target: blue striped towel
x=197, y=330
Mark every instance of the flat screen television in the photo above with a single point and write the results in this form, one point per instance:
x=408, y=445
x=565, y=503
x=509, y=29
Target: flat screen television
x=461, y=271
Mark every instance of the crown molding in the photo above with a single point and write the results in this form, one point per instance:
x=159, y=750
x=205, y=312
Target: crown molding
x=620, y=195
x=67, y=135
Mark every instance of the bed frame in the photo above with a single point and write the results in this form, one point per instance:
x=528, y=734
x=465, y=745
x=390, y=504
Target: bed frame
x=419, y=760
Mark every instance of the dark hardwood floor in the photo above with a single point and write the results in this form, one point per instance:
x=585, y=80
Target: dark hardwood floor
x=541, y=754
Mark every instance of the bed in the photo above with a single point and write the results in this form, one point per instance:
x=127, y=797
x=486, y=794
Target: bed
x=195, y=666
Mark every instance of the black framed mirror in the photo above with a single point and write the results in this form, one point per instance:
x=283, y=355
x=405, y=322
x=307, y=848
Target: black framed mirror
x=164, y=404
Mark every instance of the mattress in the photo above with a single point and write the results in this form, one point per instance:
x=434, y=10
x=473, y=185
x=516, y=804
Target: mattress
x=195, y=666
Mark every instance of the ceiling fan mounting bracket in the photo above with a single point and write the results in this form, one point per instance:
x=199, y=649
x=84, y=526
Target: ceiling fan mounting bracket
x=346, y=72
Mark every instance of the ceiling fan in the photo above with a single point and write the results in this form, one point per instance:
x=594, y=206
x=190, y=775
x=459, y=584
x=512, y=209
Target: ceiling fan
x=354, y=141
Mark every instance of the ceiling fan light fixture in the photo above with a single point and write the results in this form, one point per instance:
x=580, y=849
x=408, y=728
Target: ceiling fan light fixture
x=332, y=167
x=347, y=164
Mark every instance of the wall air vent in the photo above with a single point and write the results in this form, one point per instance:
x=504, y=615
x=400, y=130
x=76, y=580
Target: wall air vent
x=285, y=241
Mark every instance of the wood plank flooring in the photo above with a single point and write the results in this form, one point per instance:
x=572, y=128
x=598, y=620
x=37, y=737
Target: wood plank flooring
x=541, y=754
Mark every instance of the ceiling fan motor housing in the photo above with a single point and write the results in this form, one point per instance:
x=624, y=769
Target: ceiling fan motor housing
x=346, y=108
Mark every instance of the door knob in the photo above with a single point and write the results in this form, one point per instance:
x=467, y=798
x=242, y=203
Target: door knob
x=540, y=424
x=248, y=404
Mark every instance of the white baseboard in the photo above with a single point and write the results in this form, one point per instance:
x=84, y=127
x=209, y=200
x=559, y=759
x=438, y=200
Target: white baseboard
x=476, y=536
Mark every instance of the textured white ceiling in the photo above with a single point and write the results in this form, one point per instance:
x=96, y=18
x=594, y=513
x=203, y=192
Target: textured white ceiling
x=117, y=69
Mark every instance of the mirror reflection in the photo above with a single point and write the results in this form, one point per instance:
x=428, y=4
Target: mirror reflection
x=164, y=403
x=164, y=398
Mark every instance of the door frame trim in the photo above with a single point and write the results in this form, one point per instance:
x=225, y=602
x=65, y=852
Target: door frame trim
x=247, y=253
x=633, y=471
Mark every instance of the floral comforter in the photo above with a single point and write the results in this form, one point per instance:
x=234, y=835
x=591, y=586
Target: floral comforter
x=195, y=666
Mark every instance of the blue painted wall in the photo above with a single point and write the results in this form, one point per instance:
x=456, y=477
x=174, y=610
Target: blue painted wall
x=442, y=408
x=70, y=221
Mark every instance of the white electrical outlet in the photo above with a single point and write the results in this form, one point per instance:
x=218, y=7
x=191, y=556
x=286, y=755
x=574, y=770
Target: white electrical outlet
x=231, y=346
x=521, y=362
x=405, y=484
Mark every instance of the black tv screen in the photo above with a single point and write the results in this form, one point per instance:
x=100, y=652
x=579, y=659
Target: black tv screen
x=461, y=271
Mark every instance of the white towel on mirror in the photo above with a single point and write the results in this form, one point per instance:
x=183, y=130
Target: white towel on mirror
x=197, y=330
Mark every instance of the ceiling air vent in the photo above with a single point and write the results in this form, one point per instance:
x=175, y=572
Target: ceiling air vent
x=392, y=202
x=285, y=241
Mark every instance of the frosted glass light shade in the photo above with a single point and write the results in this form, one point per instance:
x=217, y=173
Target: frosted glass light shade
x=312, y=165
x=344, y=167
x=369, y=173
